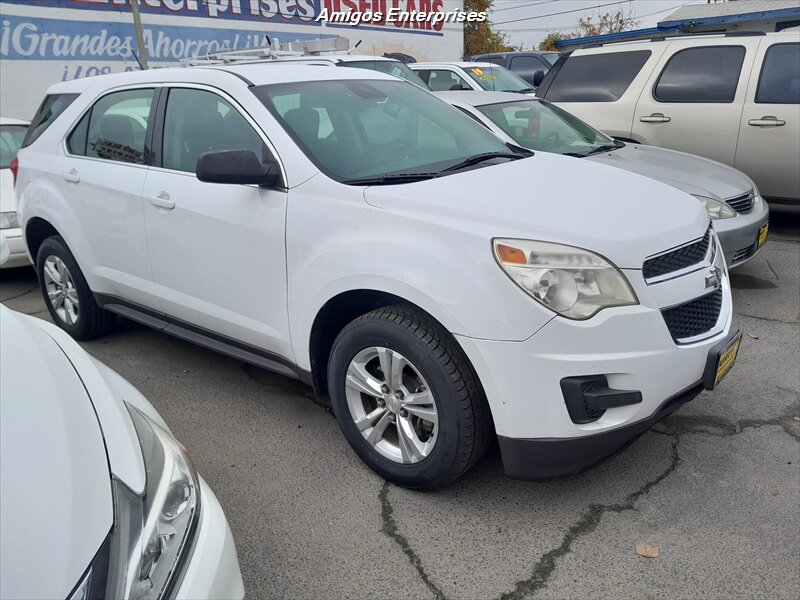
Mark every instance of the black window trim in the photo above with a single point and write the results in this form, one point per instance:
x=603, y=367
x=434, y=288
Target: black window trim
x=701, y=47
x=161, y=112
x=87, y=111
x=34, y=131
x=761, y=72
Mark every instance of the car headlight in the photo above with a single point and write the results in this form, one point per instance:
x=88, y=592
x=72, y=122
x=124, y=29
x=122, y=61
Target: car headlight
x=716, y=209
x=8, y=220
x=152, y=533
x=571, y=281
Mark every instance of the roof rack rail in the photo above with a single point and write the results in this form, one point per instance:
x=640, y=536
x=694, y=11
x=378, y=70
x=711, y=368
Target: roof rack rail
x=678, y=34
x=272, y=52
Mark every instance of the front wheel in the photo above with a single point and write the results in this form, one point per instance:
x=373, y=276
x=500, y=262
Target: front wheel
x=406, y=398
x=66, y=294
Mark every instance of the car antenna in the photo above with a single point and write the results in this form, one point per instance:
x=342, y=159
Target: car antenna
x=137, y=59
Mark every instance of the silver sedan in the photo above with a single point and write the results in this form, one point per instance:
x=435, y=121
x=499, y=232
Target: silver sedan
x=740, y=215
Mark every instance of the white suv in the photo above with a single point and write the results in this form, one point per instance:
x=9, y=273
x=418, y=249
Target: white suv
x=734, y=98
x=350, y=230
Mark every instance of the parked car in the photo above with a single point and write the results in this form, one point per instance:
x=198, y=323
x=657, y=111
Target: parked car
x=350, y=230
x=460, y=76
x=734, y=98
x=99, y=500
x=531, y=66
x=740, y=215
x=12, y=131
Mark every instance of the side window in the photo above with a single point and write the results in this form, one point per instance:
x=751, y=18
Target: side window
x=498, y=60
x=780, y=76
x=706, y=74
x=596, y=77
x=442, y=80
x=423, y=74
x=117, y=126
x=52, y=106
x=198, y=121
x=76, y=142
x=526, y=67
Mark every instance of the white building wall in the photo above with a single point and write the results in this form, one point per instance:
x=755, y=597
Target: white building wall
x=42, y=42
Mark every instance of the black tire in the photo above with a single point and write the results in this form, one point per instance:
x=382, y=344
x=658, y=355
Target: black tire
x=92, y=321
x=464, y=421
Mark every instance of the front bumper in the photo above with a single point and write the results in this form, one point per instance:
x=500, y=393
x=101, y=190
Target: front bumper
x=213, y=569
x=630, y=346
x=739, y=235
x=19, y=255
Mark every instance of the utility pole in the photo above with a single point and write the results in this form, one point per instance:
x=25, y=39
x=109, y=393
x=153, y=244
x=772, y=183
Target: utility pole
x=137, y=26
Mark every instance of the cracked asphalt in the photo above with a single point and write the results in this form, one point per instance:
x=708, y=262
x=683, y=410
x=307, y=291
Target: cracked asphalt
x=715, y=486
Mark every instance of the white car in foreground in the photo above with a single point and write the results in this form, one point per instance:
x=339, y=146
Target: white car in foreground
x=12, y=132
x=349, y=229
x=99, y=500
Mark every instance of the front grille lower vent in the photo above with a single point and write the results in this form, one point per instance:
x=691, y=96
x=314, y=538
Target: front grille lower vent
x=677, y=259
x=741, y=204
x=693, y=318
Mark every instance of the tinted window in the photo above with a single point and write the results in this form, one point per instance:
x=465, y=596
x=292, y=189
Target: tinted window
x=198, y=121
x=378, y=127
x=52, y=106
x=11, y=137
x=596, y=77
x=390, y=67
x=498, y=60
x=441, y=80
x=76, y=142
x=551, y=57
x=526, y=67
x=708, y=74
x=780, y=76
x=117, y=126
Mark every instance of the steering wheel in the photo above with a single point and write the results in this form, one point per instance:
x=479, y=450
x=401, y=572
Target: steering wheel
x=551, y=139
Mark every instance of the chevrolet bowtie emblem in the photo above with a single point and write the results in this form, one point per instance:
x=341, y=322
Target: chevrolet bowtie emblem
x=713, y=278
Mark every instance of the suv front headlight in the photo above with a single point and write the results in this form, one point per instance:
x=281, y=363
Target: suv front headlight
x=152, y=534
x=716, y=209
x=571, y=281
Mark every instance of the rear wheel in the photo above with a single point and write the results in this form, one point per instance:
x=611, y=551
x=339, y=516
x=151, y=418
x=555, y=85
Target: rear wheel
x=66, y=294
x=407, y=399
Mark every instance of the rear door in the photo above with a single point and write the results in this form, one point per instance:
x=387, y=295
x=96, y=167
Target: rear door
x=769, y=139
x=217, y=250
x=693, y=100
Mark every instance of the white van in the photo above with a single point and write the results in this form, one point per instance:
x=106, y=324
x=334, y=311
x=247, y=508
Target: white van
x=734, y=98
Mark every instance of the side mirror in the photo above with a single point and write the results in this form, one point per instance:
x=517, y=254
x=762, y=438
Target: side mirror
x=537, y=78
x=238, y=167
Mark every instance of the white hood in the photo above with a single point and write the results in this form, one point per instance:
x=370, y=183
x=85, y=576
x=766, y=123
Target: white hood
x=620, y=215
x=57, y=505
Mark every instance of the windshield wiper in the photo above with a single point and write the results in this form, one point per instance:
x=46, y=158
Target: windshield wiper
x=391, y=178
x=606, y=148
x=479, y=158
x=522, y=91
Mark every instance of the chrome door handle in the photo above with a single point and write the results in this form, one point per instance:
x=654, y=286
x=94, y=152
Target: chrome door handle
x=71, y=176
x=162, y=200
x=766, y=122
x=655, y=118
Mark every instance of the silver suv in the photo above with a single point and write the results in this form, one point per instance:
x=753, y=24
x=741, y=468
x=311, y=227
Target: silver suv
x=734, y=98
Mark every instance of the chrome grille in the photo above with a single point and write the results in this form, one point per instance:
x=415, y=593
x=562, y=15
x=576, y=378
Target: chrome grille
x=677, y=259
x=695, y=317
x=741, y=204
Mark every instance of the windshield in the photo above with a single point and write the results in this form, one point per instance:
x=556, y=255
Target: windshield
x=498, y=79
x=551, y=57
x=355, y=129
x=11, y=137
x=542, y=126
x=390, y=67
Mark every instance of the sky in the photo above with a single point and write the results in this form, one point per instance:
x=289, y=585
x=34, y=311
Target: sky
x=531, y=31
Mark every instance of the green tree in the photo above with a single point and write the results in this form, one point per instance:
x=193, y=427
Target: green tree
x=549, y=42
x=480, y=38
x=610, y=22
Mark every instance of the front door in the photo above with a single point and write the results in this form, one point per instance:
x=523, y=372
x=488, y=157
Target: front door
x=217, y=250
x=769, y=140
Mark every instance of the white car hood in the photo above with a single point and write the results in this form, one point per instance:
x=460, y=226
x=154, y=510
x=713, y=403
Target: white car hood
x=622, y=216
x=57, y=504
x=692, y=174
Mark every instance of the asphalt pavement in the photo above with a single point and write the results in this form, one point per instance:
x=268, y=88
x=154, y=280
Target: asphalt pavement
x=716, y=486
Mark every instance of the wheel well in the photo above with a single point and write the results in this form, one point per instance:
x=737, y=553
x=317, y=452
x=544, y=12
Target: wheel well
x=36, y=232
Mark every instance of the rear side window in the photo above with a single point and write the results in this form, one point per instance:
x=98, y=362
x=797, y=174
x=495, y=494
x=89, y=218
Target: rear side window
x=10, y=141
x=116, y=127
x=596, y=77
x=780, y=76
x=526, y=67
x=707, y=74
x=52, y=106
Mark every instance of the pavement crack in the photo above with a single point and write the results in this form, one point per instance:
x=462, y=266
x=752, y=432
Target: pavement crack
x=720, y=427
x=771, y=269
x=20, y=295
x=770, y=319
x=587, y=523
x=391, y=531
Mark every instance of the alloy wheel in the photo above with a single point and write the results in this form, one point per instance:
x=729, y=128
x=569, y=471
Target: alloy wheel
x=61, y=290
